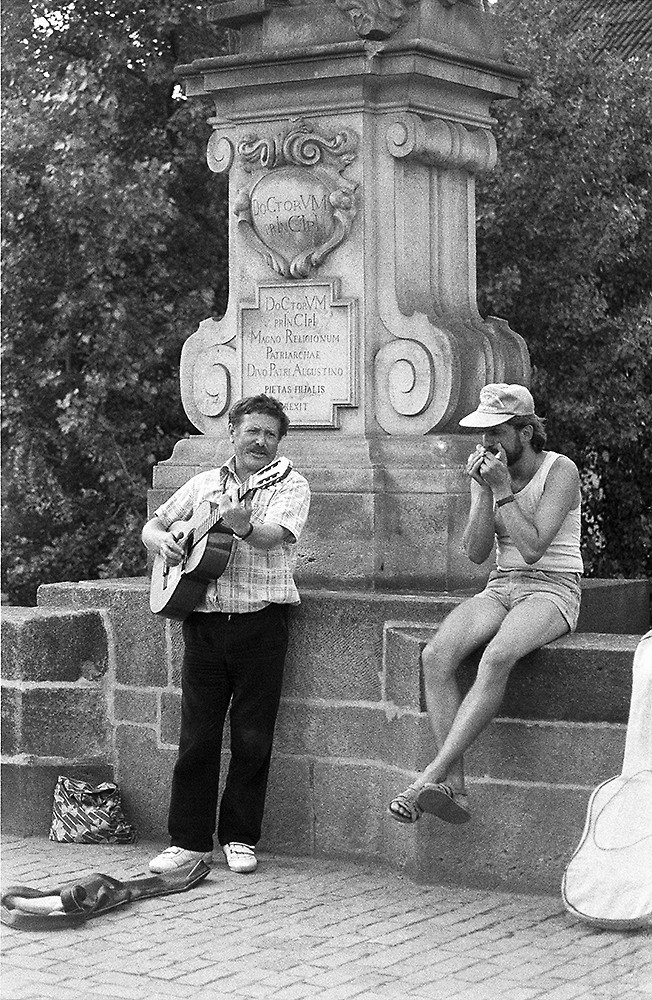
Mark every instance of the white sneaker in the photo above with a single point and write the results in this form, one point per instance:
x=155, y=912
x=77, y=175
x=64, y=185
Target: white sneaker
x=177, y=857
x=240, y=857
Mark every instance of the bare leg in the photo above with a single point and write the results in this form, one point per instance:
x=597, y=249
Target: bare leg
x=466, y=628
x=526, y=627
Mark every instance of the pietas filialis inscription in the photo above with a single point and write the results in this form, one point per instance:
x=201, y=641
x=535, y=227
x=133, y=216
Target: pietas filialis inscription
x=298, y=344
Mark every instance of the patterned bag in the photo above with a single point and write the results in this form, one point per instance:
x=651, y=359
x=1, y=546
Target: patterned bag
x=88, y=814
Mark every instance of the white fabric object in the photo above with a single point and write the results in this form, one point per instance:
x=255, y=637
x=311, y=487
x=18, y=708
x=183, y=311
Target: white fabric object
x=638, y=742
x=608, y=881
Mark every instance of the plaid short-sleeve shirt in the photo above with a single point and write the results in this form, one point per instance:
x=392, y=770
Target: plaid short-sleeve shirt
x=253, y=577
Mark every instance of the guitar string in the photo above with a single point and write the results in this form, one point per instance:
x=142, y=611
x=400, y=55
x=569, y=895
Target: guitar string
x=273, y=475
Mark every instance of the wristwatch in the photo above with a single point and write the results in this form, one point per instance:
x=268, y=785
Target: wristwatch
x=246, y=534
x=508, y=499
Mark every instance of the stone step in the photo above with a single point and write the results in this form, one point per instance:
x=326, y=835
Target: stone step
x=573, y=693
x=579, y=678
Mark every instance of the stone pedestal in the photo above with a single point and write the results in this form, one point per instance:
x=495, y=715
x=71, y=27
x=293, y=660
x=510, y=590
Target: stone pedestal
x=352, y=133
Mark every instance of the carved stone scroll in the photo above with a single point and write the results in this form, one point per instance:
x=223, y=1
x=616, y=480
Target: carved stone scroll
x=219, y=153
x=441, y=143
x=210, y=375
x=301, y=146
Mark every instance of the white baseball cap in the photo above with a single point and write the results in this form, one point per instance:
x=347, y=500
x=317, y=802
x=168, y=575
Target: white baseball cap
x=500, y=402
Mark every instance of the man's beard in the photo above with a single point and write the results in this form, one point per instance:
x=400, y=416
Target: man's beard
x=514, y=453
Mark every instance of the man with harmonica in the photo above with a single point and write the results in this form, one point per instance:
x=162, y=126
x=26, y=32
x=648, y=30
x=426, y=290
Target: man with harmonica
x=527, y=501
x=235, y=639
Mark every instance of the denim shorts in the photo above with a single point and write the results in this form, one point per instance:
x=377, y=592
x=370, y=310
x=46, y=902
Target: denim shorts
x=511, y=587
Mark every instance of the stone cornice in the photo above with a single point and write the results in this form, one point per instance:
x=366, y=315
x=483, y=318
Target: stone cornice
x=369, y=51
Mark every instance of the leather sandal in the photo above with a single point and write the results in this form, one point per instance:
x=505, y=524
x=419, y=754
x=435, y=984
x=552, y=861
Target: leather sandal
x=440, y=800
x=405, y=808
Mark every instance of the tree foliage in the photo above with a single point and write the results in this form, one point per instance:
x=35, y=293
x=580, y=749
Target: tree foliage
x=565, y=253
x=115, y=246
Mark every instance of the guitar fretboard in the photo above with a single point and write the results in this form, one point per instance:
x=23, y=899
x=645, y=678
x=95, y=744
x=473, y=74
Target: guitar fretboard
x=257, y=481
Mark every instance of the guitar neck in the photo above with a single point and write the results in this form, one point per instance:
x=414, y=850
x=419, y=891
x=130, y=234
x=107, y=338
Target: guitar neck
x=254, y=482
x=214, y=517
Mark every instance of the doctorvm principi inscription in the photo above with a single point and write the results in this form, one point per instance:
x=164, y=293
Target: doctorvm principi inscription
x=298, y=344
x=298, y=207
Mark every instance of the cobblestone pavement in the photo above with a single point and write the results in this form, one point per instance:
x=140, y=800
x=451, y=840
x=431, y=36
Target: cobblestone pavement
x=309, y=928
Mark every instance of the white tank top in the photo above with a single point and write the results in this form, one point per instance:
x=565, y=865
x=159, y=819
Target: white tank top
x=563, y=554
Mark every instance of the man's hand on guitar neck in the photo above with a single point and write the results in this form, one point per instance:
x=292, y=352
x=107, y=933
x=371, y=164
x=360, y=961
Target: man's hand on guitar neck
x=234, y=514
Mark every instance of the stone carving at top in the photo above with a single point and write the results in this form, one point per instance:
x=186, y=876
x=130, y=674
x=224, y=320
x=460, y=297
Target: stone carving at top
x=438, y=142
x=377, y=19
x=298, y=207
x=302, y=146
x=380, y=19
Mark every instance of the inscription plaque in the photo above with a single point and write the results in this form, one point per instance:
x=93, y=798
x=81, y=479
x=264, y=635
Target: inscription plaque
x=298, y=344
x=291, y=211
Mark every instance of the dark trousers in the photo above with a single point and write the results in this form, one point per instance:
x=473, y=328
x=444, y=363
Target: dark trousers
x=234, y=660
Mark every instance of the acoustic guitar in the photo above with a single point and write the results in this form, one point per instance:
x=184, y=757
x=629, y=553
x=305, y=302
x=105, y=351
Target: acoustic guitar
x=176, y=590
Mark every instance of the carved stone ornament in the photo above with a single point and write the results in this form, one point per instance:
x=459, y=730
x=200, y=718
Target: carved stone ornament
x=298, y=207
x=438, y=142
x=376, y=19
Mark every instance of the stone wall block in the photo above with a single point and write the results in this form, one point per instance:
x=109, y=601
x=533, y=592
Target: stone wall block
x=40, y=644
x=513, y=750
x=140, y=645
x=520, y=836
x=67, y=722
x=135, y=705
x=337, y=656
x=288, y=821
x=337, y=540
x=527, y=750
x=349, y=807
x=402, y=665
x=336, y=641
x=615, y=606
x=175, y=652
x=397, y=561
x=407, y=743
x=330, y=730
x=144, y=773
x=583, y=678
x=11, y=710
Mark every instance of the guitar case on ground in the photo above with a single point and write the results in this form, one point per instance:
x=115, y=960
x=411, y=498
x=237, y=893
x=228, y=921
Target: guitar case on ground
x=26, y=908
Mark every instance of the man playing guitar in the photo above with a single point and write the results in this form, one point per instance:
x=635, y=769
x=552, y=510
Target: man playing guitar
x=235, y=637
